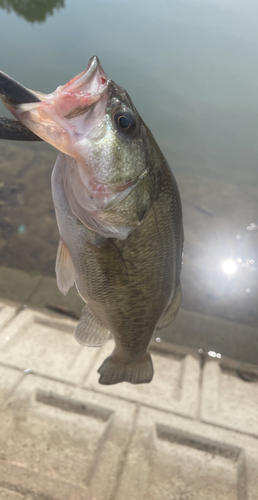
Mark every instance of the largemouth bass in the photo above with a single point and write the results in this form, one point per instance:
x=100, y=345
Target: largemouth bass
x=119, y=216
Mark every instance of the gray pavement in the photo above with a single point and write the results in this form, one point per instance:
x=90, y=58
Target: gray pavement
x=192, y=434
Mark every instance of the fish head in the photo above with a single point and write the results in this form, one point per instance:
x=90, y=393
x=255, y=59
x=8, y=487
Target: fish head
x=93, y=120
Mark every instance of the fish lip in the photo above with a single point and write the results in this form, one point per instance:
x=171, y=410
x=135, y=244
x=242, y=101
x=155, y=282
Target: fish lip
x=93, y=65
x=86, y=77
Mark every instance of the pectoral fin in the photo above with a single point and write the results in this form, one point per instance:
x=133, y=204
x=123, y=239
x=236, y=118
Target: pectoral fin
x=65, y=276
x=89, y=331
x=171, y=311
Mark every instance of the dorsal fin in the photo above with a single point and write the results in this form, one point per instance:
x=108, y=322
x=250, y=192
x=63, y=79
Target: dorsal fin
x=89, y=331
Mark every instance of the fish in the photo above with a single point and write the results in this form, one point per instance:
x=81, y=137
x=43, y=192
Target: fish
x=119, y=216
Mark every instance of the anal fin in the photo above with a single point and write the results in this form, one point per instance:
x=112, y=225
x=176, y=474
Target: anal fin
x=65, y=275
x=89, y=331
x=171, y=311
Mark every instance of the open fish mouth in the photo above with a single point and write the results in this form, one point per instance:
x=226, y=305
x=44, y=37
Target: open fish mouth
x=52, y=116
x=82, y=91
x=91, y=82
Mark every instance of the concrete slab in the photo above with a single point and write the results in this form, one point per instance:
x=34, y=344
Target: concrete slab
x=175, y=385
x=61, y=442
x=228, y=400
x=189, y=435
x=38, y=485
x=177, y=458
x=7, y=312
x=10, y=495
x=8, y=380
x=44, y=344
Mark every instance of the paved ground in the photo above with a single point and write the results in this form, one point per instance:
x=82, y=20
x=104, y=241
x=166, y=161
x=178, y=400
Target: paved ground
x=192, y=434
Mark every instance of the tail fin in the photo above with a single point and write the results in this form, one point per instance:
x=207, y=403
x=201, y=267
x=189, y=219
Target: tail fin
x=113, y=371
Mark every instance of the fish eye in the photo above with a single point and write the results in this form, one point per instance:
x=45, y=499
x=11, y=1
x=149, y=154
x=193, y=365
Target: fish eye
x=125, y=122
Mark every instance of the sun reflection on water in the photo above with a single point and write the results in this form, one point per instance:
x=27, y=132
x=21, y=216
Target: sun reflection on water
x=229, y=266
